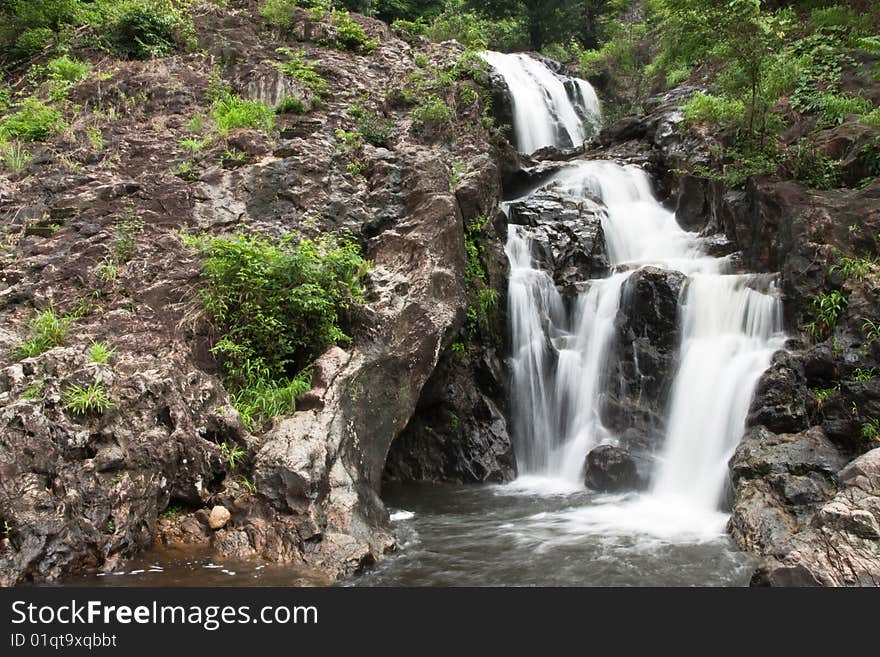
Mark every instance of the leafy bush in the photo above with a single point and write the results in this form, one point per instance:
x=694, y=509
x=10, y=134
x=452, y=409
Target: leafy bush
x=137, y=30
x=475, y=30
x=278, y=13
x=813, y=169
x=432, y=112
x=48, y=330
x=298, y=68
x=717, y=110
x=277, y=305
x=91, y=399
x=101, y=352
x=34, y=121
x=375, y=129
x=14, y=157
x=349, y=35
x=230, y=111
x=290, y=105
x=408, y=30
x=64, y=69
x=34, y=40
x=834, y=108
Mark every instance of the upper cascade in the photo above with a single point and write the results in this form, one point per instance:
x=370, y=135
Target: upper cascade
x=549, y=109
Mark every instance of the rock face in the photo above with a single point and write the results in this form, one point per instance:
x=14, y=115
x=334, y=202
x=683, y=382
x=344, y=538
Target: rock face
x=83, y=492
x=566, y=234
x=646, y=344
x=611, y=469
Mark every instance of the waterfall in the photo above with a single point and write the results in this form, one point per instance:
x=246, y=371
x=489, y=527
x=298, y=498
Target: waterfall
x=549, y=109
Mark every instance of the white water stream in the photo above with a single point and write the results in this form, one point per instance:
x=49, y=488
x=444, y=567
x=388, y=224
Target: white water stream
x=731, y=326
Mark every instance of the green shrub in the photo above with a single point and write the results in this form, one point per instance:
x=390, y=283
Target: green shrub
x=834, y=108
x=101, y=352
x=375, y=129
x=276, y=305
x=408, y=30
x=230, y=112
x=147, y=30
x=857, y=268
x=716, y=110
x=813, y=169
x=349, y=35
x=432, y=112
x=298, y=68
x=34, y=121
x=278, y=13
x=290, y=105
x=91, y=399
x=47, y=330
x=64, y=69
x=34, y=40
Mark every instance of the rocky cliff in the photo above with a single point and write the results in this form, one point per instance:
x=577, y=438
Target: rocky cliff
x=83, y=491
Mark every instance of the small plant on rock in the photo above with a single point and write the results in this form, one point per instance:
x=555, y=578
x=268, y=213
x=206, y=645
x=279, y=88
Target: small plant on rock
x=90, y=399
x=48, y=330
x=101, y=352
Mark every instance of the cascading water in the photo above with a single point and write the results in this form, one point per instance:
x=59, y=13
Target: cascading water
x=546, y=527
x=548, y=109
x=730, y=329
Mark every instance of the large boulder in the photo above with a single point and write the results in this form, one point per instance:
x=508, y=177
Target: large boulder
x=566, y=235
x=646, y=342
x=611, y=469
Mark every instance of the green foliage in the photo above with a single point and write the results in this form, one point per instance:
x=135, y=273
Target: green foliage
x=857, y=268
x=125, y=234
x=290, y=105
x=90, y=399
x=34, y=121
x=47, y=330
x=193, y=145
x=834, y=108
x=827, y=309
x=717, y=110
x=232, y=158
x=408, y=30
x=863, y=374
x=230, y=112
x=432, y=113
x=347, y=34
x=278, y=13
x=34, y=391
x=276, y=305
x=475, y=29
x=101, y=352
x=34, y=40
x=64, y=69
x=871, y=331
x=233, y=454
x=143, y=30
x=375, y=129
x=871, y=429
x=298, y=68
x=812, y=168
x=824, y=393
x=14, y=156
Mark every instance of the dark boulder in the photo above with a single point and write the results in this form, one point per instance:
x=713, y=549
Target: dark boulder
x=566, y=235
x=782, y=402
x=646, y=345
x=611, y=469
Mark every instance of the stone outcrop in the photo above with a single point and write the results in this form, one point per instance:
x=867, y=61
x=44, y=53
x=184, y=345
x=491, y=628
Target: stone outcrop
x=83, y=492
x=611, y=469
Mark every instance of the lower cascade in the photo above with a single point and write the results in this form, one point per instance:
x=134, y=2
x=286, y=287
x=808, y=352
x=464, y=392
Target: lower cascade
x=730, y=326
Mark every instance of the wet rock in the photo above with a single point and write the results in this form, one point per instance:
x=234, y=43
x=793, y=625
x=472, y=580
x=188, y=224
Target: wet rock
x=647, y=337
x=566, y=235
x=611, y=469
x=781, y=400
x=219, y=517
